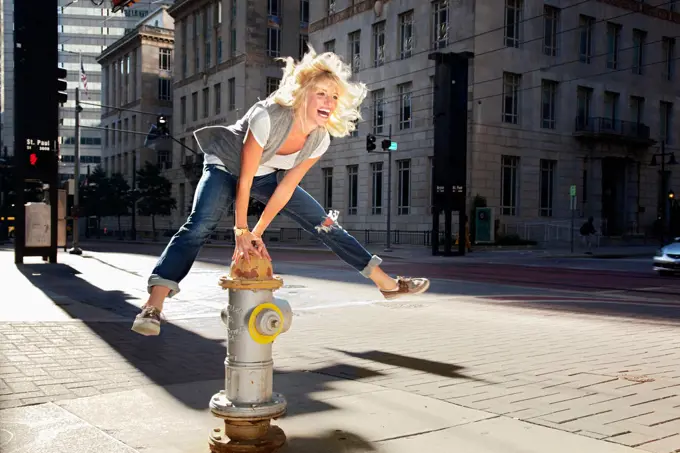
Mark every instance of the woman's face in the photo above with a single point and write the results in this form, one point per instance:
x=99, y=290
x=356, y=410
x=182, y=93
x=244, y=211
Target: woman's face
x=322, y=100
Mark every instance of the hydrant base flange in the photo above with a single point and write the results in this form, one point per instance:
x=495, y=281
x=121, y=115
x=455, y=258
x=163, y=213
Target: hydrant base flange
x=223, y=408
x=273, y=440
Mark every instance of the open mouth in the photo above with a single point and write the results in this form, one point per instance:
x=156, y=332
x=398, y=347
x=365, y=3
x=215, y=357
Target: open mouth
x=324, y=113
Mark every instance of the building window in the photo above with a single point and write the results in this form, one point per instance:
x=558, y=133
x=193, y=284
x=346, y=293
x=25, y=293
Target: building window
x=330, y=7
x=183, y=110
x=185, y=31
x=164, y=90
x=304, y=13
x=207, y=36
x=274, y=7
x=163, y=159
x=329, y=46
x=232, y=23
x=513, y=22
x=405, y=107
x=206, y=102
x=404, y=187
x=378, y=104
x=376, y=188
x=611, y=109
x=440, y=24
x=548, y=101
x=165, y=59
x=665, y=121
x=232, y=94
x=406, y=35
x=303, y=40
x=551, y=20
x=639, y=38
x=637, y=109
x=584, y=100
x=197, y=43
x=273, y=42
x=509, y=184
x=586, y=25
x=272, y=85
x=379, y=44
x=327, y=187
x=511, y=84
x=668, y=50
x=218, y=98
x=194, y=106
x=352, y=189
x=613, y=44
x=354, y=43
x=547, y=187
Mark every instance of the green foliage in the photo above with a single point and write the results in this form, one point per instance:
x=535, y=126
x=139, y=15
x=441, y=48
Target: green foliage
x=155, y=194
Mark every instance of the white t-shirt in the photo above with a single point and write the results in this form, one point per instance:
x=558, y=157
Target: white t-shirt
x=259, y=126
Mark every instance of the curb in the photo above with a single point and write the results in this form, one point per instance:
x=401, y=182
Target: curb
x=604, y=256
x=224, y=246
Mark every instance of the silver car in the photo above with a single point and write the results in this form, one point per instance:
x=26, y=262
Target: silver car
x=667, y=259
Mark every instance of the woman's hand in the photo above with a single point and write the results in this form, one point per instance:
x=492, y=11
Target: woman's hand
x=248, y=243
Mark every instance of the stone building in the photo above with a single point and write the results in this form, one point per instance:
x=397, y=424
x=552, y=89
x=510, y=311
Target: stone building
x=561, y=94
x=225, y=62
x=137, y=73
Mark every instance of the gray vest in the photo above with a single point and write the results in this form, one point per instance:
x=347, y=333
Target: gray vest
x=227, y=142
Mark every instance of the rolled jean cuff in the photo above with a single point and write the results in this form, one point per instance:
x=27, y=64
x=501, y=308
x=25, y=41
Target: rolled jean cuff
x=156, y=280
x=372, y=264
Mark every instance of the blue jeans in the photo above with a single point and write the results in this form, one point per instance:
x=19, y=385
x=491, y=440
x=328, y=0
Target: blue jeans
x=215, y=193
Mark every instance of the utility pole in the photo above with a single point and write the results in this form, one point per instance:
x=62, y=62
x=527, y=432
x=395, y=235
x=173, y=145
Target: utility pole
x=133, y=230
x=76, y=184
x=388, y=241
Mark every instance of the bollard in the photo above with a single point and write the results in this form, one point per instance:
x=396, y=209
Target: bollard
x=254, y=320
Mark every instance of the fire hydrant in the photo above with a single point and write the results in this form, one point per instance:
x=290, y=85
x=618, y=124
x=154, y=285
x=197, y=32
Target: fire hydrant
x=254, y=319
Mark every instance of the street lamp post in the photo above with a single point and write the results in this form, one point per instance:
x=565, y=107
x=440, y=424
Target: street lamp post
x=666, y=200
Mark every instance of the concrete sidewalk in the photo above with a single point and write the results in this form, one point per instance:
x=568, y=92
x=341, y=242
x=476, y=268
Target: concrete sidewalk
x=437, y=374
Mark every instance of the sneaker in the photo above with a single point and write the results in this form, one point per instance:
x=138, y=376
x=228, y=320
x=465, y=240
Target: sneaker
x=148, y=322
x=407, y=286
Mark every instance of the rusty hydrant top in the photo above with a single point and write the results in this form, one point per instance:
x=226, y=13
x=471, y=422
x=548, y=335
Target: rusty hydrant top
x=258, y=273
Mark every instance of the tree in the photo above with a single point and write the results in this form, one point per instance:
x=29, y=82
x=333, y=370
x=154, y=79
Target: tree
x=155, y=194
x=119, y=200
x=95, y=193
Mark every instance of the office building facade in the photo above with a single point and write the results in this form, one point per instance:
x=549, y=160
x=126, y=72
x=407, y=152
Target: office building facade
x=561, y=94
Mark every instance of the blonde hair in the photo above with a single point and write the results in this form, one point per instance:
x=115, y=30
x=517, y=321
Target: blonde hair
x=299, y=77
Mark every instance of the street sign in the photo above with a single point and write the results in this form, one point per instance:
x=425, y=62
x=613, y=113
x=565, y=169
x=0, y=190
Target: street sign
x=572, y=190
x=393, y=146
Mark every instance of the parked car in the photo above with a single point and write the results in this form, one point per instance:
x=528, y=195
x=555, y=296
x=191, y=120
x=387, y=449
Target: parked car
x=667, y=259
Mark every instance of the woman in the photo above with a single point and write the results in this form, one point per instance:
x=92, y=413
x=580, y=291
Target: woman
x=265, y=155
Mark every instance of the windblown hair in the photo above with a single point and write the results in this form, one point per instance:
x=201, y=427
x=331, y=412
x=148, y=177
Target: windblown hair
x=298, y=78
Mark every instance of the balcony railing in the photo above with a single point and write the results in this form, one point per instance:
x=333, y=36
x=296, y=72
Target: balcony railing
x=611, y=129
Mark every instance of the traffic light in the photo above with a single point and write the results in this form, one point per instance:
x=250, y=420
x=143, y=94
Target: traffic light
x=33, y=159
x=162, y=125
x=119, y=5
x=671, y=195
x=62, y=86
x=370, y=142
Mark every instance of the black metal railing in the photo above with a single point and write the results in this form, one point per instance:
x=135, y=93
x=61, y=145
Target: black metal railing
x=612, y=127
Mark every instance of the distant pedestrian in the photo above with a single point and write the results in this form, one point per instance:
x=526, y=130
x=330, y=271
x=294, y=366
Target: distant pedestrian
x=587, y=231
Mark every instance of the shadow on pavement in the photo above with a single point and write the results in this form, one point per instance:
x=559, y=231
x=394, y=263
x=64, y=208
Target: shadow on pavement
x=178, y=355
x=447, y=370
x=329, y=442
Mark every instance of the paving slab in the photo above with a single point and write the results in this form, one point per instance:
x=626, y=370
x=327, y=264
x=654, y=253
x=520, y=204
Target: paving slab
x=501, y=434
x=47, y=428
x=325, y=415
